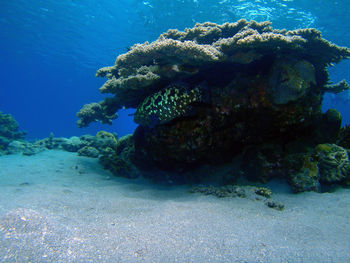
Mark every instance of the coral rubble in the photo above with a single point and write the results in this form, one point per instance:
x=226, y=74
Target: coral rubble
x=212, y=92
x=249, y=192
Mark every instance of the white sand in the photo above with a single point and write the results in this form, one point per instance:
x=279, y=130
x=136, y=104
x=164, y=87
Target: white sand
x=58, y=207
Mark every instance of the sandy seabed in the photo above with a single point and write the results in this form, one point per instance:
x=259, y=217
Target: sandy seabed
x=59, y=207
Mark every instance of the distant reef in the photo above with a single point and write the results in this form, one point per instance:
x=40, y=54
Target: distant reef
x=9, y=131
x=236, y=100
x=115, y=154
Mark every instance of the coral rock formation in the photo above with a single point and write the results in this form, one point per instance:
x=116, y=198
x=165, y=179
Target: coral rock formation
x=9, y=131
x=214, y=91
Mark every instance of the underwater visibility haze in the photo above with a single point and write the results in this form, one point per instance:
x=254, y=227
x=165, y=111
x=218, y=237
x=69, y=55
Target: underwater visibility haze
x=174, y=131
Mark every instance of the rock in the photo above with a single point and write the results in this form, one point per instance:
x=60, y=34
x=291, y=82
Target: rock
x=51, y=142
x=261, y=163
x=4, y=142
x=16, y=147
x=105, y=139
x=88, y=151
x=328, y=127
x=119, y=158
x=117, y=165
x=263, y=191
x=343, y=139
x=24, y=147
x=302, y=172
x=73, y=144
x=334, y=164
x=9, y=130
x=88, y=139
x=220, y=192
x=275, y=205
x=290, y=80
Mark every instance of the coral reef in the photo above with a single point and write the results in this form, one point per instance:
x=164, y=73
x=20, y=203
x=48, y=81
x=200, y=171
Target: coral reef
x=291, y=80
x=120, y=158
x=212, y=92
x=23, y=147
x=73, y=144
x=302, y=173
x=334, y=164
x=329, y=127
x=344, y=137
x=88, y=151
x=175, y=55
x=9, y=131
x=263, y=162
x=338, y=87
x=86, y=145
x=311, y=171
x=96, y=111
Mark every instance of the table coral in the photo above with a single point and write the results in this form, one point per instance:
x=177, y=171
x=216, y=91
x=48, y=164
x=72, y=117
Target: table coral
x=149, y=67
x=262, y=86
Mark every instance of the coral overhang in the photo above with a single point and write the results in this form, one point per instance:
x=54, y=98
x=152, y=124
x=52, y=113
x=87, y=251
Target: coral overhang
x=266, y=86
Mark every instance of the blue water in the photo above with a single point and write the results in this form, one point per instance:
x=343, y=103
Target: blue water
x=50, y=50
